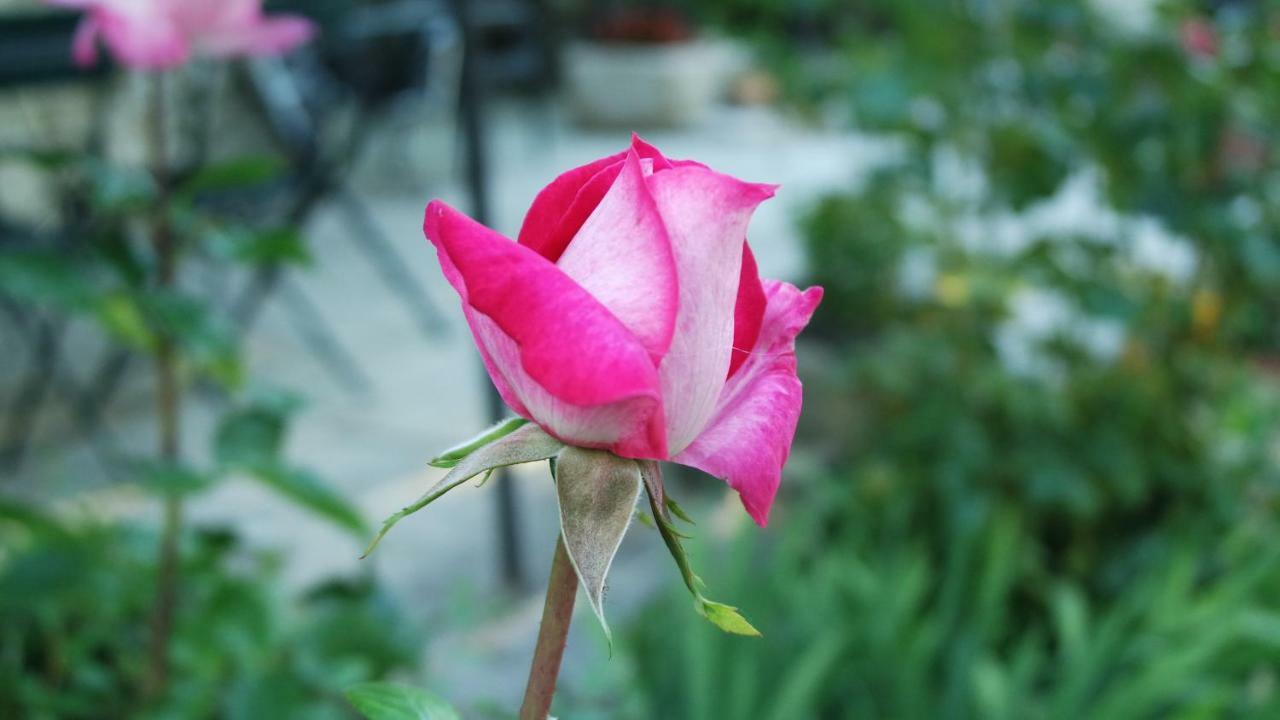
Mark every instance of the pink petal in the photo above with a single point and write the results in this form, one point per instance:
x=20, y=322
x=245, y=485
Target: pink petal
x=706, y=214
x=553, y=349
x=555, y=215
x=143, y=42
x=139, y=33
x=748, y=314
x=649, y=152
x=622, y=256
x=561, y=208
x=660, y=161
x=749, y=439
x=275, y=35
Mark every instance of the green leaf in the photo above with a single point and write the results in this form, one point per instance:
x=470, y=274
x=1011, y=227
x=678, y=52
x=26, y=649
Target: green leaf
x=597, y=493
x=42, y=158
x=528, y=443
x=120, y=188
x=122, y=317
x=233, y=174
x=171, y=479
x=307, y=489
x=270, y=246
x=29, y=517
x=44, y=279
x=389, y=701
x=207, y=339
x=254, y=434
x=726, y=618
x=450, y=457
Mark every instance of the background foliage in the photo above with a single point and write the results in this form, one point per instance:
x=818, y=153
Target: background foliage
x=1037, y=475
x=1048, y=472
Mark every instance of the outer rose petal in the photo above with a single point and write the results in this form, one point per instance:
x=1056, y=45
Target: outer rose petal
x=706, y=214
x=622, y=256
x=748, y=314
x=569, y=364
x=749, y=439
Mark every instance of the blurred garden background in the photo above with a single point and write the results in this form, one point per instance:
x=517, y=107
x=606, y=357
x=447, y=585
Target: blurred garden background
x=1038, y=470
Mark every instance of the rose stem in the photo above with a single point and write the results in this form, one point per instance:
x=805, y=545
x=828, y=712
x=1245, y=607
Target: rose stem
x=557, y=613
x=167, y=401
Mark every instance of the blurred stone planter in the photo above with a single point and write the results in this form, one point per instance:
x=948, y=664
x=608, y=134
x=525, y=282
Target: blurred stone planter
x=644, y=85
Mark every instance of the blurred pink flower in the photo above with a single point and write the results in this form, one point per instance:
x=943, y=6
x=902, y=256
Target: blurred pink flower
x=157, y=34
x=1199, y=37
x=630, y=316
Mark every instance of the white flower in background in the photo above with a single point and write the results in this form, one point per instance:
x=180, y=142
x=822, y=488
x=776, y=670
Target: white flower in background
x=918, y=273
x=1155, y=249
x=1132, y=17
x=1039, y=315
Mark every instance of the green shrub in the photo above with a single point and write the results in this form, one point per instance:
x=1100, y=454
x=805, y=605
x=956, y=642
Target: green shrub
x=75, y=613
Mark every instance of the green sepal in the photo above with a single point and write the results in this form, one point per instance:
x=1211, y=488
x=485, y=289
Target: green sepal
x=526, y=443
x=597, y=493
x=449, y=458
x=725, y=617
x=678, y=511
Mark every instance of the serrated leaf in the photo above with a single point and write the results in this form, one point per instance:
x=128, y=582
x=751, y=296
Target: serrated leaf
x=597, y=492
x=308, y=490
x=502, y=428
x=527, y=443
x=389, y=701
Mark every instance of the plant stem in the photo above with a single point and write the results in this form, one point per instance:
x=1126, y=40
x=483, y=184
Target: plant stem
x=168, y=401
x=557, y=613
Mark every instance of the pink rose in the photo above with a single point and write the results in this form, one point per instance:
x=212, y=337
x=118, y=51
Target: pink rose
x=1199, y=37
x=158, y=34
x=630, y=317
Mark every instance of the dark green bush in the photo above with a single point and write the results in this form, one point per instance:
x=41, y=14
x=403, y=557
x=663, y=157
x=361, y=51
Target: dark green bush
x=76, y=606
